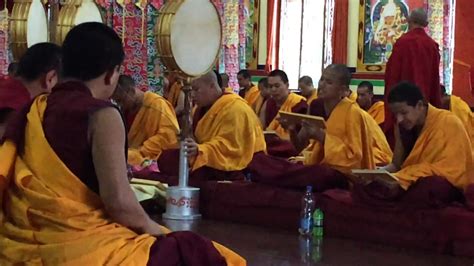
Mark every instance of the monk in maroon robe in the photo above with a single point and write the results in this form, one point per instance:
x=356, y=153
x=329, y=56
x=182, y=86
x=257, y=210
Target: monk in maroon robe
x=37, y=73
x=415, y=58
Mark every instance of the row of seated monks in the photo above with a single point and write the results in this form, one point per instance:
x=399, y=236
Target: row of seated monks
x=65, y=194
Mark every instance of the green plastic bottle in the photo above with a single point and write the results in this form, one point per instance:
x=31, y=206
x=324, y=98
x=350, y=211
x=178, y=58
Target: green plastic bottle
x=318, y=217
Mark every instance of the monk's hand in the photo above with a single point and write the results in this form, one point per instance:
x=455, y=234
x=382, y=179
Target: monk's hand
x=191, y=148
x=285, y=124
x=314, y=132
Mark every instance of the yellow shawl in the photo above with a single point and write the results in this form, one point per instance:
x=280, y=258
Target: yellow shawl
x=154, y=129
x=252, y=94
x=462, y=110
x=443, y=148
x=228, y=135
x=49, y=217
x=349, y=141
x=377, y=111
x=173, y=95
x=292, y=100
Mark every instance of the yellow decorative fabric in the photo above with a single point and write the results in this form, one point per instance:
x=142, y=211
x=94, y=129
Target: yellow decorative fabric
x=292, y=100
x=442, y=149
x=377, y=111
x=154, y=129
x=349, y=140
x=229, y=134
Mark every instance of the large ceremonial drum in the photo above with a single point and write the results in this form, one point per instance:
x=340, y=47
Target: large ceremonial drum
x=74, y=13
x=189, y=36
x=29, y=25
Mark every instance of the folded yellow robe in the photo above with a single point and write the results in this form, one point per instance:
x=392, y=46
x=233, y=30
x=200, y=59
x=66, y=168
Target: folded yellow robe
x=442, y=149
x=377, y=111
x=292, y=100
x=462, y=110
x=229, y=134
x=49, y=217
x=154, y=129
x=252, y=94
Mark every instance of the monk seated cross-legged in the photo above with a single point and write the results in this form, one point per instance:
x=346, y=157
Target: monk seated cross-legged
x=227, y=134
x=432, y=158
x=282, y=99
x=150, y=119
x=65, y=196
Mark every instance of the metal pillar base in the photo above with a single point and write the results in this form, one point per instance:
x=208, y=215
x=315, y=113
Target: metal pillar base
x=182, y=203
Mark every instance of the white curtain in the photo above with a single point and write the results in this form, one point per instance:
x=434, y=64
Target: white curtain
x=301, y=39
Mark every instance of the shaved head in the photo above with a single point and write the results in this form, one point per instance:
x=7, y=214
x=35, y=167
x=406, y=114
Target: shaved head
x=206, y=89
x=418, y=17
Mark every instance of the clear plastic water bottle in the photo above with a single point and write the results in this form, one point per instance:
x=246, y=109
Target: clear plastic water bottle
x=306, y=218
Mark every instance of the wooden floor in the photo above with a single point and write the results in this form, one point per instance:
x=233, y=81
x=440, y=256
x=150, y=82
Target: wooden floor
x=261, y=246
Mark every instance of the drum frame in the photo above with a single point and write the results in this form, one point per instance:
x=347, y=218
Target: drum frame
x=66, y=19
x=163, y=37
x=19, y=27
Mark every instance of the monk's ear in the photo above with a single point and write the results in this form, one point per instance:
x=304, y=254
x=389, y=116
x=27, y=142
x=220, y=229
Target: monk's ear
x=111, y=76
x=49, y=80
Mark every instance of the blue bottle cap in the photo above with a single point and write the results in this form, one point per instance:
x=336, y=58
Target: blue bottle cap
x=309, y=189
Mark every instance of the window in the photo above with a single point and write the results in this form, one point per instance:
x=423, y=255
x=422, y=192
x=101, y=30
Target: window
x=301, y=39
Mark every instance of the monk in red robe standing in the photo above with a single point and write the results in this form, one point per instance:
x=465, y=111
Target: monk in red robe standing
x=415, y=58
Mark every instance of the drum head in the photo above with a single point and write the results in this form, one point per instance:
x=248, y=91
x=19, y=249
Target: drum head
x=88, y=12
x=37, y=29
x=196, y=36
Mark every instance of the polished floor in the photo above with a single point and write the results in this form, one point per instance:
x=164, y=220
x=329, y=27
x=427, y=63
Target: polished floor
x=262, y=246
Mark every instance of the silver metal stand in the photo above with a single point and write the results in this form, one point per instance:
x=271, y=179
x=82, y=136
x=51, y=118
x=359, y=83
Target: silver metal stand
x=182, y=201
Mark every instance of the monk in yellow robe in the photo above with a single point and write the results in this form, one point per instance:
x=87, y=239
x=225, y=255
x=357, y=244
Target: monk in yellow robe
x=64, y=193
x=248, y=91
x=429, y=141
x=150, y=119
x=307, y=89
x=260, y=105
x=227, y=133
x=365, y=99
x=349, y=140
x=225, y=83
x=461, y=109
x=282, y=100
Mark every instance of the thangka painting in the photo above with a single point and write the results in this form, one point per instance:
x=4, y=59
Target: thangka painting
x=381, y=24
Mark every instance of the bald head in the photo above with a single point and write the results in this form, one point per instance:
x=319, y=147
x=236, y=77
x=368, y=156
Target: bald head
x=206, y=89
x=418, y=18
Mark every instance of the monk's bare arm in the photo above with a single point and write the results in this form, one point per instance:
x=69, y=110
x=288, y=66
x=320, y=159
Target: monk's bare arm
x=398, y=153
x=107, y=137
